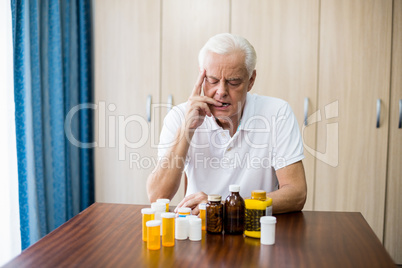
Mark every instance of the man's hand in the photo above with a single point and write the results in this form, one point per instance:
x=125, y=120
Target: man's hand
x=192, y=202
x=198, y=106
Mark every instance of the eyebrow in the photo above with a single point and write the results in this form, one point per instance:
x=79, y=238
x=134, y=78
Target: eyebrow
x=229, y=79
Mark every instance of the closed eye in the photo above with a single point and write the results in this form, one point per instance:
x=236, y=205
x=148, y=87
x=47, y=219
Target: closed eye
x=212, y=81
x=234, y=83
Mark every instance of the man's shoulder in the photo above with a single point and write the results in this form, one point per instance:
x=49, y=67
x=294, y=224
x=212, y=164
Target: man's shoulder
x=177, y=112
x=266, y=104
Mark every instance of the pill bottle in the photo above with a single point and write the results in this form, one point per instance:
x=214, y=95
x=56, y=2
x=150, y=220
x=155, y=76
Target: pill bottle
x=234, y=211
x=184, y=211
x=181, y=228
x=148, y=214
x=168, y=226
x=194, y=231
x=268, y=230
x=202, y=207
x=214, y=213
x=159, y=209
x=164, y=201
x=257, y=206
x=154, y=236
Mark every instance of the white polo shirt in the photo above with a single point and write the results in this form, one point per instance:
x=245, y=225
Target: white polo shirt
x=267, y=139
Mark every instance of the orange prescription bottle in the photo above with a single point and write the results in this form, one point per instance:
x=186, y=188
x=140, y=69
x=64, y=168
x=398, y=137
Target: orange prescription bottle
x=164, y=201
x=148, y=214
x=257, y=206
x=154, y=235
x=168, y=226
x=202, y=207
x=184, y=211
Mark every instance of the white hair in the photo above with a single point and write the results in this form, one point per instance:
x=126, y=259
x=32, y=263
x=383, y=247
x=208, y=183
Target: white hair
x=225, y=43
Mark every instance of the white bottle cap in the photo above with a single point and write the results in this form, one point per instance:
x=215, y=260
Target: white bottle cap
x=168, y=215
x=163, y=200
x=153, y=223
x=194, y=221
x=159, y=206
x=189, y=217
x=148, y=211
x=234, y=188
x=202, y=206
x=184, y=210
x=214, y=197
x=268, y=219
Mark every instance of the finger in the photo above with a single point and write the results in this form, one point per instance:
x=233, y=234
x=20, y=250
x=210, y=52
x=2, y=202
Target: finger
x=198, y=84
x=193, y=203
x=184, y=200
x=205, y=99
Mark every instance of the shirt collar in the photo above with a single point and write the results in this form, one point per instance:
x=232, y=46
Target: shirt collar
x=248, y=112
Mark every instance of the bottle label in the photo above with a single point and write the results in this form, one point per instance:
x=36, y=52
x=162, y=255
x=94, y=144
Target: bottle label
x=253, y=219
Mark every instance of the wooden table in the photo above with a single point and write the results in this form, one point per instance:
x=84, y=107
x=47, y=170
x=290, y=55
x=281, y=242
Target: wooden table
x=109, y=235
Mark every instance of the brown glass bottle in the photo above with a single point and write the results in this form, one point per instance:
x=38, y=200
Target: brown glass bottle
x=214, y=215
x=234, y=211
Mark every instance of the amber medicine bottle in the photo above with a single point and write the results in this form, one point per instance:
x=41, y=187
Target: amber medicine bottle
x=214, y=211
x=234, y=211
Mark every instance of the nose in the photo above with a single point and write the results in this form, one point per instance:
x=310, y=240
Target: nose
x=221, y=90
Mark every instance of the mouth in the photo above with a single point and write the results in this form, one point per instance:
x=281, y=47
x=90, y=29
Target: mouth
x=224, y=104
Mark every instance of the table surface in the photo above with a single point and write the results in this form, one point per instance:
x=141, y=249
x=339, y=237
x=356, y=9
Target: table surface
x=109, y=235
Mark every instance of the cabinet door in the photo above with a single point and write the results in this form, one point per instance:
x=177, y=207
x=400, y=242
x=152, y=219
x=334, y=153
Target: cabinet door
x=354, y=72
x=285, y=37
x=127, y=45
x=187, y=25
x=393, y=216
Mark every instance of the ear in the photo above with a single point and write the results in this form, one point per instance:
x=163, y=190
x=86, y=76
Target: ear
x=252, y=79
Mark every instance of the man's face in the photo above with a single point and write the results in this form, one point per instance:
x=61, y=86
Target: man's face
x=227, y=81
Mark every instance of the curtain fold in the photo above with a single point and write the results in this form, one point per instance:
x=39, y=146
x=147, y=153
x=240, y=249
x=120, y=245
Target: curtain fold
x=52, y=74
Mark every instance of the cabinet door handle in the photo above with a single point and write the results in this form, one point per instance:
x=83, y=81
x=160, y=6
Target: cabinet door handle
x=170, y=102
x=149, y=101
x=378, y=112
x=400, y=114
x=305, y=110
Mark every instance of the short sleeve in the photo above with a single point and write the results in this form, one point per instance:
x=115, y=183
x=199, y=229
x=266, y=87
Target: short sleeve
x=171, y=124
x=287, y=147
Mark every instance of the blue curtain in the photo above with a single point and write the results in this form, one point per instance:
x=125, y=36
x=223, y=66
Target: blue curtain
x=52, y=74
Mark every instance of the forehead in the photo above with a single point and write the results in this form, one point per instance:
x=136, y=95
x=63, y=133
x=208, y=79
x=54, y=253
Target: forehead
x=225, y=66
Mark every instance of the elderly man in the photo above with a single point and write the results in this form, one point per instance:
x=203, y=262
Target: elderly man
x=224, y=135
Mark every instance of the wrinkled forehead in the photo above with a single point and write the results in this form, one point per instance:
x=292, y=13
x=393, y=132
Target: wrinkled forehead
x=231, y=65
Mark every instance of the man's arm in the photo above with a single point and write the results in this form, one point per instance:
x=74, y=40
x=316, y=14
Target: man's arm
x=292, y=191
x=165, y=181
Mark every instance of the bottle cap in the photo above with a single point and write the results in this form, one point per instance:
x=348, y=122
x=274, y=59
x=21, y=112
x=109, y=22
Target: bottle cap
x=184, y=210
x=159, y=206
x=190, y=217
x=234, y=188
x=202, y=206
x=194, y=221
x=163, y=200
x=153, y=223
x=168, y=215
x=268, y=219
x=214, y=197
x=259, y=194
x=148, y=211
